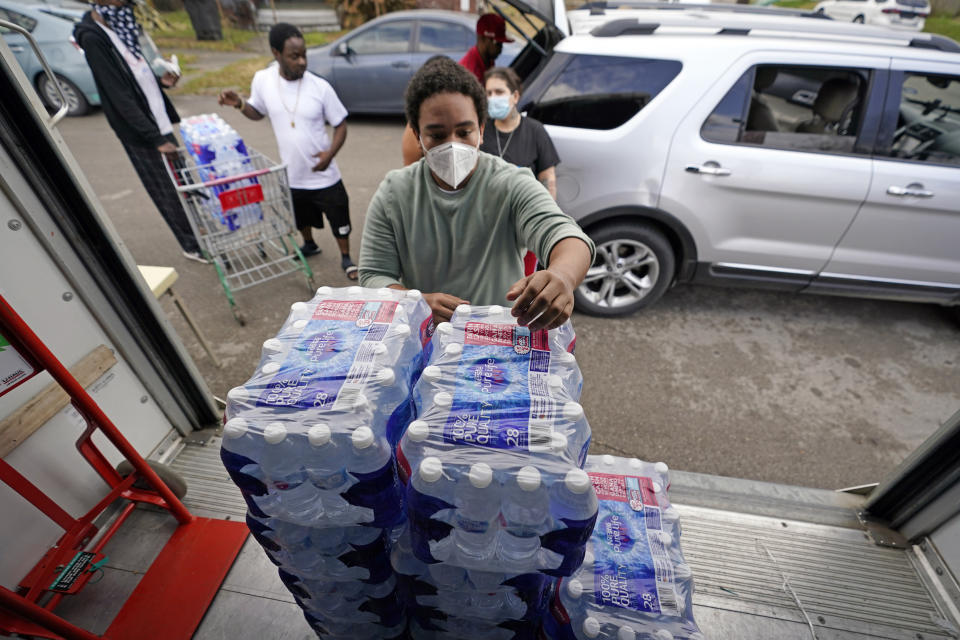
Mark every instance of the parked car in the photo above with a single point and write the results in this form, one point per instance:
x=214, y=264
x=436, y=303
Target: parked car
x=52, y=27
x=370, y=67
x=789, y=153
x=897, y=14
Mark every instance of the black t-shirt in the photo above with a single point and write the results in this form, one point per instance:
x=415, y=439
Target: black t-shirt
x=528, y=145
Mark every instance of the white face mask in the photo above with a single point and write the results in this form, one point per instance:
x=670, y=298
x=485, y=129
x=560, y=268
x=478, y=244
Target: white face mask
x=451, y=161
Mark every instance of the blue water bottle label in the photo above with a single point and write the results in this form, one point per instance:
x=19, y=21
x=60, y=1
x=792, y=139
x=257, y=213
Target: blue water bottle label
x=632, y=567
x=502, y=399
x=332, y=358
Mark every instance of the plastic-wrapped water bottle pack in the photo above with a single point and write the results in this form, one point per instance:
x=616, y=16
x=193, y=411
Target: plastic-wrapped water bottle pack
x=220, y=152
x=309, y=441
x=634, y=583
x=494, y=459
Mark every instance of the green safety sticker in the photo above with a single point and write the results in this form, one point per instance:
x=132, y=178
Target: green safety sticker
x=72, y=571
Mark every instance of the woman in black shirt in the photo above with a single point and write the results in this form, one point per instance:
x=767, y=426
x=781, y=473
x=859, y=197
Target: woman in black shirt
x=517, y=139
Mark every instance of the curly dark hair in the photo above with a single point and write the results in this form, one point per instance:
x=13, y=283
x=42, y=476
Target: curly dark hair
x=280, y=33
x=442, y=75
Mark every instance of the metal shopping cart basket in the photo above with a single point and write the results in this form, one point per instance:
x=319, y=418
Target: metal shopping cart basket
x=241, y=214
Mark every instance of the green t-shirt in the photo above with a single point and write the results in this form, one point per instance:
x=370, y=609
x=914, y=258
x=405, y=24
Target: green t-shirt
x=467, y=243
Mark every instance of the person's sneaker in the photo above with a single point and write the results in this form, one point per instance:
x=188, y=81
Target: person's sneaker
x=195, y=256
x=309, y=249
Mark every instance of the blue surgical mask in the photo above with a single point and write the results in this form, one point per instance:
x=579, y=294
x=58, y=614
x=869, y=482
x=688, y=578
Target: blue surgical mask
x=498, y=107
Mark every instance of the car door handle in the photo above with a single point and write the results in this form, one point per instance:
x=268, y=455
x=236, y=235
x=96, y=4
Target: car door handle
x=708, y=169
x=400, y=64
x=912, y=190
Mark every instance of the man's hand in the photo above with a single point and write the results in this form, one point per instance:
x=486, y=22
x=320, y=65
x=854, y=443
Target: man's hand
x=229, y=98
x=324, y=158
x=543, y=300
x=168, y=149
x=443, y=305
x=169, y=79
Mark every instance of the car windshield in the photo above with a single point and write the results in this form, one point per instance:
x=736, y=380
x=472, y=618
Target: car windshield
x=62, y=15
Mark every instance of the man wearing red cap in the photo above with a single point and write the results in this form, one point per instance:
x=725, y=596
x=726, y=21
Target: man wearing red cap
x=491, y=34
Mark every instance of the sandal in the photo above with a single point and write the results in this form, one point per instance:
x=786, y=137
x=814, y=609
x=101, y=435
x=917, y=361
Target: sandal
x=349, y=268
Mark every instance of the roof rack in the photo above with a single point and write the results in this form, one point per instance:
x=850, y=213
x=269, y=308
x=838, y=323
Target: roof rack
x=756, y=25
x=600, y=7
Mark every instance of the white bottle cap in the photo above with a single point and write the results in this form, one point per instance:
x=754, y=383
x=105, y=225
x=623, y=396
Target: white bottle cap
x=480, y=475
x=386, y=377
x=626, y=632
x=577, y=481
x=414, y=294
x=431, y=469
x=319, y=435
x=432, y=373
x=670, y=514
x=271, y=368
x=661, y=467
x=360, y=402
x=362, y=437
x=565, y=357
x=608, y=460
x=635, y=463
x=558, y=443
x=273, y=345
x=494, y=310
x=385, y=292
x=237, y=394
x=299, y=324
x=575, y=589
x=298, y=307
x=573, y=411
x=665, y=538
x=400, y=330
x=355, y=290
x=235, y=428
x=463, y=308
x=324, y=291
x=444, y=328
x=656, y=487
x=528, y=478
x=662, y=634
x=591, y=627
x=275, y=433
x=555, y=381
x=453, y=349
x=418, y=431
x=682, y=571
x=443, y=400
x=379, y=348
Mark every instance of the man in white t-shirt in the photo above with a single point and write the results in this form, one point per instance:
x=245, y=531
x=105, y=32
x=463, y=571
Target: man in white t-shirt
x=300, y=105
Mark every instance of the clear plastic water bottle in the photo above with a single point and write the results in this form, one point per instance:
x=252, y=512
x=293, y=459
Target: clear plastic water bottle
x=526, y=516
x=574, y=498
x=412, y=447
x=369, y=452
x=291, y=496
x=324, y=461
x=377, y=487
x=477, y=499
x=430, y=489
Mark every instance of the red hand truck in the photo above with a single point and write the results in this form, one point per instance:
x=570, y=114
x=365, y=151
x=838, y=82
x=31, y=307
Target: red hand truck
x=171, y=598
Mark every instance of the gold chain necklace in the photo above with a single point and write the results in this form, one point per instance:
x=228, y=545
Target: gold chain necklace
x=293, y=114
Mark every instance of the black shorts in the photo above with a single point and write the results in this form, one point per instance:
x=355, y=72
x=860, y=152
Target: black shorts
x=310, y=205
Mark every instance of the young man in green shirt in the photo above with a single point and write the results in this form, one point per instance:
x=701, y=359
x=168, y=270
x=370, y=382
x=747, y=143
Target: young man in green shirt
x=453, y=224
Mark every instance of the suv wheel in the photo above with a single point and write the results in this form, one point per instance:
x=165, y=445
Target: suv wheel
x=633, y=267
x=859, y=19
x=77, y=104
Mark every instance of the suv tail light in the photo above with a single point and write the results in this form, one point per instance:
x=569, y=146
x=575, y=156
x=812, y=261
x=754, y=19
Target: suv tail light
x=75, y=45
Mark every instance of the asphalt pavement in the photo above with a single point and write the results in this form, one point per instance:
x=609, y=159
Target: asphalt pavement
x=808, y=390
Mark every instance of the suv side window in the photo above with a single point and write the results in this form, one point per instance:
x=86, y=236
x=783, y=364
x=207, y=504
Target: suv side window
x=928, y=128
x=18, y=19
x=600, y=92
x=793, y=108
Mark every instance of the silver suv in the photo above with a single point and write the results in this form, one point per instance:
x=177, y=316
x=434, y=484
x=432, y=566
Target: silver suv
x=791, y=153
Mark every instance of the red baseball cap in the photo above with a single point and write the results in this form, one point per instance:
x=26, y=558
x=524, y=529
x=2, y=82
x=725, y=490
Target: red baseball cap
x=493, y=26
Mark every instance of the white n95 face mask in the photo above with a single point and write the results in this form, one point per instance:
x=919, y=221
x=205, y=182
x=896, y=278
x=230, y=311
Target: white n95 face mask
x=451, y=161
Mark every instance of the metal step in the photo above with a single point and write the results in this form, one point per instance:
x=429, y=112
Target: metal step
x=210, y=492
x=845, y=584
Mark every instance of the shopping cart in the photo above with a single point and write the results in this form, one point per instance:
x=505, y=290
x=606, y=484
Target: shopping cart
x=241, y=214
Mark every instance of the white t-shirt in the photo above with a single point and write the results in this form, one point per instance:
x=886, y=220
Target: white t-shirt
x=317, y=106
x=148, y=82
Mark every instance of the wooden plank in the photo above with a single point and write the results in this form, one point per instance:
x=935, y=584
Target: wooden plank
x=22, y=423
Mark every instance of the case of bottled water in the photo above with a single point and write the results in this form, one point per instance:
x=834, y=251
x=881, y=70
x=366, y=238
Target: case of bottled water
x=634, y=583
x=220, y=152
x=493, y=461
x=309, y=440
